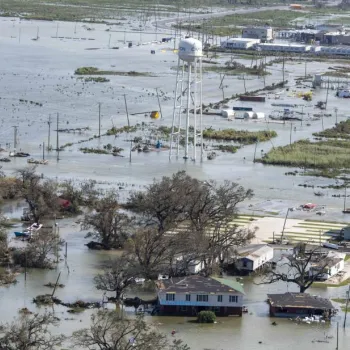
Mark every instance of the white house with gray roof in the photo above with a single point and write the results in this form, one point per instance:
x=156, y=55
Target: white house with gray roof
x=253, y=257
x=189, y=295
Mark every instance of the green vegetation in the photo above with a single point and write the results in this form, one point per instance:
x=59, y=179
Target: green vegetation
x=227, y=148
x=206, y=317
x=96, y=71
x=340, y=20
x=93, y=150
x=327, y=155
x=340, y=131
x=235, y=71
x=115, y=131
x=227, y=25
x=324, y=284
x=95, y=11
x=241, y=136
x=96, y=79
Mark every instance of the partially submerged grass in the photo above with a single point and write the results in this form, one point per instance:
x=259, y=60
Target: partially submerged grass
x=237, y=71
x=227, y=148
x=339, y=131
x=96, y=71
x=274, y=18
x=241, y=136
x=325, y=284
x=329, y=155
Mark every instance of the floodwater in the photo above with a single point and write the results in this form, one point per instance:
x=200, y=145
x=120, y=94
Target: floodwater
x=43, y=71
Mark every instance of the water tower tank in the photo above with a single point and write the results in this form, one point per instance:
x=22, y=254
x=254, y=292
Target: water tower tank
x=190, y=49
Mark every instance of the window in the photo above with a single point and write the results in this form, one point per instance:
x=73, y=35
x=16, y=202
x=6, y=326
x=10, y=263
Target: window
x=201, y=297
x=170, y=297
x=233, y=298
x=219, y=298
x=188, y=297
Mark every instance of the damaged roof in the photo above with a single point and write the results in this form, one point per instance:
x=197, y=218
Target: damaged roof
x=299, y=300
x=199, y=284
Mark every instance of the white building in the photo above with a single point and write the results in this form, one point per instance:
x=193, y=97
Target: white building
x=284, y=47
x=253, y=257
x=335, y=264
x=192, y=294
x=239, y=43
x=265, y=34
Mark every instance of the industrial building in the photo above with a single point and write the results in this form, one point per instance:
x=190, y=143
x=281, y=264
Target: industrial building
x=239, y=43
x=264, y=34
x=333, y=50
x=284, y=47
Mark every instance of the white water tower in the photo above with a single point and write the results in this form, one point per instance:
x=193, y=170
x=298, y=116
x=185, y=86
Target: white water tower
x=188, y=100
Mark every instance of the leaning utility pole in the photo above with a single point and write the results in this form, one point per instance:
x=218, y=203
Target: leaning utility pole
x=127, y=116
x=48, y=137
x=346, y=306
x=15, y=137
x=160, y=107
x=99, y=119
x=57, y=140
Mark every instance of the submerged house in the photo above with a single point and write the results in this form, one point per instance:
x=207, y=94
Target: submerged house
x=299, y=304
x=328, y=267
x=253, y=257
x=189, y=295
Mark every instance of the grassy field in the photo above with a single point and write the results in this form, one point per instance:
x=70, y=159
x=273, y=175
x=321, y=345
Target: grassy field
x=325, y=284
x=237, y=71
x=95, y=10
x=241, y=136
x=228, y=24
x=340, y=131
x=96, y=71
x=326, y=155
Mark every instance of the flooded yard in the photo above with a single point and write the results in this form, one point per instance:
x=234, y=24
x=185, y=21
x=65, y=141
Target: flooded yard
x=37, y=82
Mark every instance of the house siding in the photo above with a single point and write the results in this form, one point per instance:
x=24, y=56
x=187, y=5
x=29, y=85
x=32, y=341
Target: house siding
x=276, y=311
x=176, y=310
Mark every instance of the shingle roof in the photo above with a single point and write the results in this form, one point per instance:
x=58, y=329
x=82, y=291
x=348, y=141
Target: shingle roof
x=299, y=300
x=196, y=284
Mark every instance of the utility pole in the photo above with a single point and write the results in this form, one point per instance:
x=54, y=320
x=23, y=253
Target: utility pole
x=290, y=134
x=43, y=150
x=160, y=107
x=346, y=306
x=305, y=67
x=256, y=145
x=337, y=348
x=284, y=225
x=57, y=31
x=57, y=140
x=327, y=93
x=109, y=41
x=283, y=70
x=127, y=116
x=48, y=138
x=99, y=119
x=336, y=115
x=15, y=137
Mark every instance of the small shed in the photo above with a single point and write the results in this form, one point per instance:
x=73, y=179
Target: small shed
x=253, y=257
x=299, y=305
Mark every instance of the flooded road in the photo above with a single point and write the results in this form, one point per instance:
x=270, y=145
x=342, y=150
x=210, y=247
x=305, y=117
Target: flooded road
x=42, y=71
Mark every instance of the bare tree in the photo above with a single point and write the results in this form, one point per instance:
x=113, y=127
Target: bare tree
x=111, y=227
x=41, y=196
x=117, y=276
x=110, y=331
x=295, y=268
x=30, y=332
x=185, y=217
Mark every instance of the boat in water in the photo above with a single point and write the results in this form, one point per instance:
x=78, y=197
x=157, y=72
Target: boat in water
x=32, y=229
x=35, y=161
